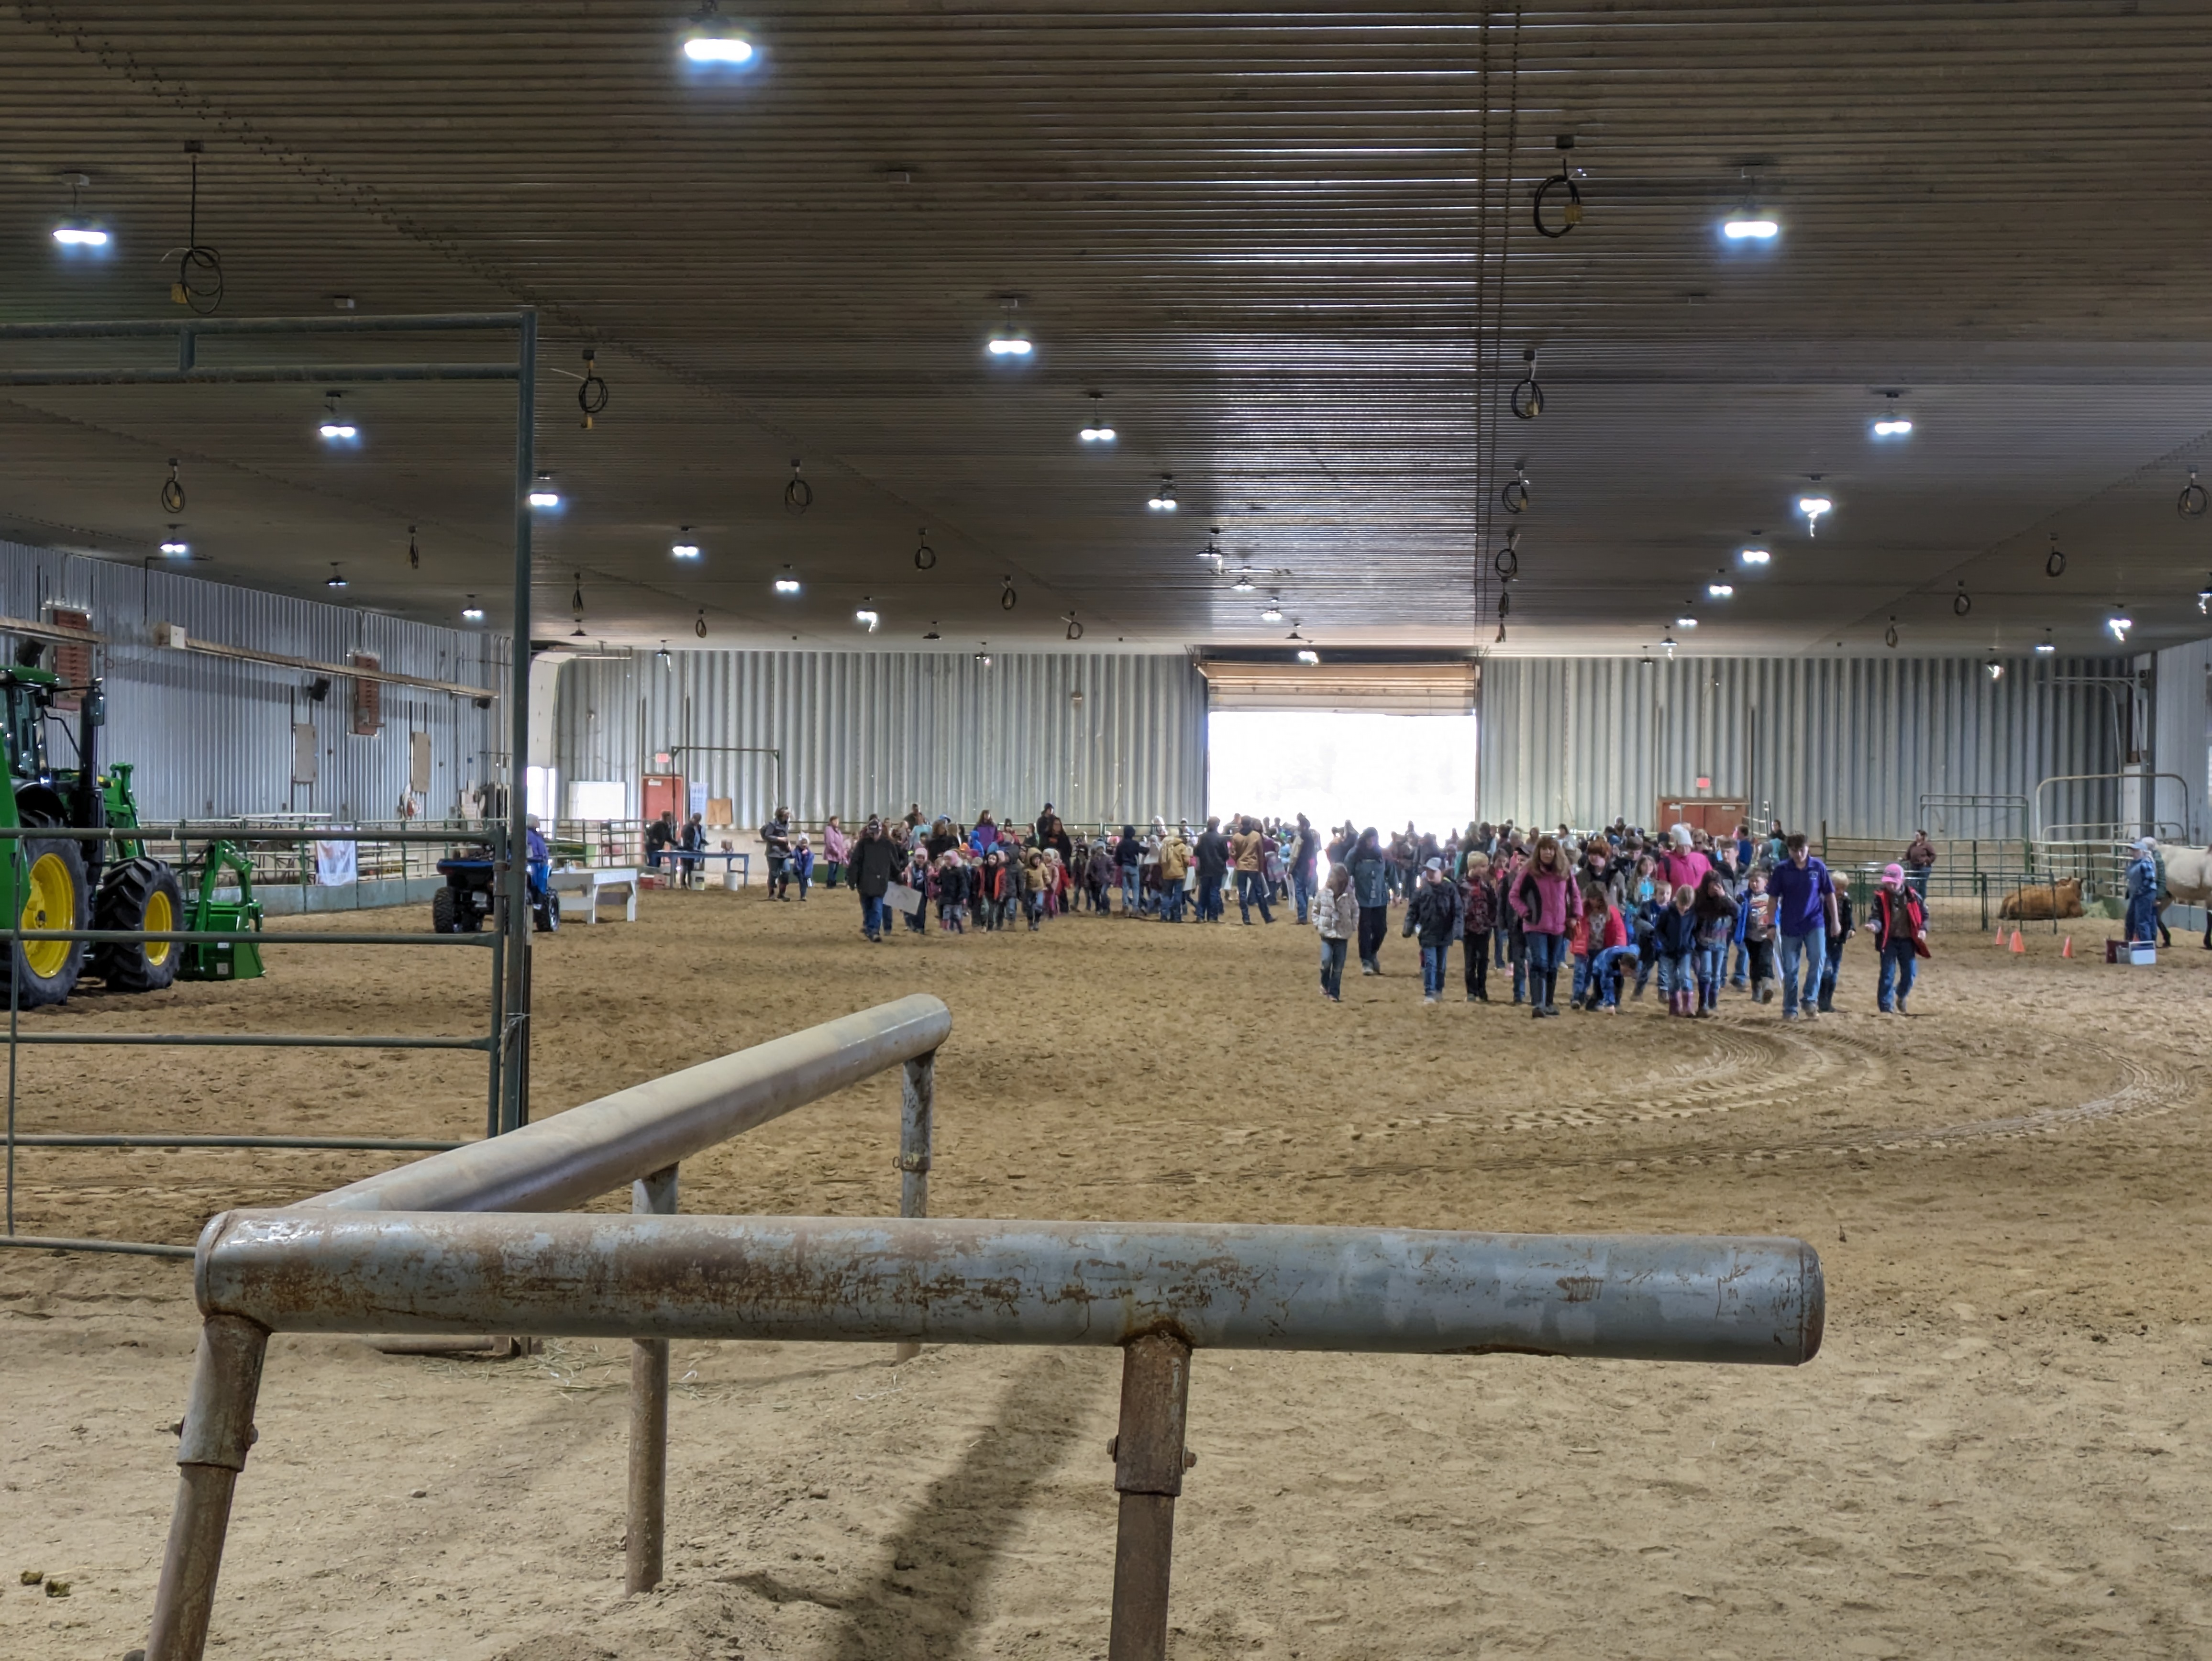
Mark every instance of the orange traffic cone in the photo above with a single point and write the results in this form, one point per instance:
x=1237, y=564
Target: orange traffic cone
x=1999, y=935
x=2018, y=945
x=2067, y=950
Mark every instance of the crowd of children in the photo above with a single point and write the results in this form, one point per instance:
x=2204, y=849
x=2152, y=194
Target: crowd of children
x=1610, y=909
x=1613, y=911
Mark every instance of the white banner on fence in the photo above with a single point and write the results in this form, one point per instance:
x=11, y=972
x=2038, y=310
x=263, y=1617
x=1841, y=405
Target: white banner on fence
x=336, y=864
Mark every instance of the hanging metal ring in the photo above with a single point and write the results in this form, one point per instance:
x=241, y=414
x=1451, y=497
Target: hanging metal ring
x=1528, y=399
x=1516, y=495
x=591, y=395
x=1962, y=602
x=172, y=493
x=1507, y=563
x=2055, y=566
x=1006, y=595
x=2193, y=501
x=1889, y=635
x=700, y=627
x=799, y=495
x=925, y=557
x=1570, y=219
x=1074, y=628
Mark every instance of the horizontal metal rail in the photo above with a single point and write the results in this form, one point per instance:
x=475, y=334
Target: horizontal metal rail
x=258, y=1040
x=1226, y=1286
x=580, y=1154
x=118, y=1248
x=160, y=1139
x=221, y=830
x=279, y=938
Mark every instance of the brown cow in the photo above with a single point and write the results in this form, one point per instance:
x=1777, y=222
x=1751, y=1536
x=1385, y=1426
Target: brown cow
x=2035, y=902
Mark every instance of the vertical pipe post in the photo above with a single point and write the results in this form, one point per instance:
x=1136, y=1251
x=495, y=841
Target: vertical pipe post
x=1149, y=1461
x=517, y=913
x=917, y=1117
x=648, y=1420
x=492, y=1097
x=217, y=1431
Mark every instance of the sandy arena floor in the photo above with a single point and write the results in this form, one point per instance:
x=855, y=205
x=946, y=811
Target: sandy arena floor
x=2000, y=1452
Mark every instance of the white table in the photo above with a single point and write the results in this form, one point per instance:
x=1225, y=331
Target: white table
x=579, y=891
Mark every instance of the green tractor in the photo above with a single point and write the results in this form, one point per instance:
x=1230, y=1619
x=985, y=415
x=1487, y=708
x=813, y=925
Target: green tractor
x=55, y=882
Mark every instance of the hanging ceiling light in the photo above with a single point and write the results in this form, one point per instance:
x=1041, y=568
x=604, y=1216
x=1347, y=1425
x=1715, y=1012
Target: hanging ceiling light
x=664, y=657
x=1896, y=423
x=2203, y=599
x=473, y=612
x=174, y=544
x=1668, y=646
x=1813, y=507
x=1164, y=499
x=1211, y=550
x=1719, y=590
x=1309, y=656
x=542, y=493
x=2045, y=646
x=1273, y=614
x=1097, y=429
x=76, y=233
x=337, y=578
x=1244, y=585
x=684, y=547
x=1994, y=669
x=1011, y=339
x=1755, y=556
x=712, y=43
x=1749, y=223
x=867, y=618
x=2119, y=622
x=786, y=585
x=1686, y=623
x=335, y=429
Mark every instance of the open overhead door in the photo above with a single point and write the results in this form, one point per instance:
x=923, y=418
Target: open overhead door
x=1384, y=689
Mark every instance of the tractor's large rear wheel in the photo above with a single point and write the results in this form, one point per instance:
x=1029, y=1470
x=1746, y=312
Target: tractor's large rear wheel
x=141, y=894
x=445, y=912
x=49, y=893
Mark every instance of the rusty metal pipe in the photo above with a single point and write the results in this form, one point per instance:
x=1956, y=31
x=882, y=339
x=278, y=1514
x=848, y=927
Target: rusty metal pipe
x=1149, y=1461
x=218, y=1429
x=917, y=1115
x=653, y=1195
x=585, y=1152
x=1649, y=1298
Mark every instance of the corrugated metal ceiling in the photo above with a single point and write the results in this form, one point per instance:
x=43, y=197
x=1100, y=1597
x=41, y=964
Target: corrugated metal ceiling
x=1292, y=246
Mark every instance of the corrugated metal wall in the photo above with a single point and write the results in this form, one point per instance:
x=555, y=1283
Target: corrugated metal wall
x=1852, y=741
x=210, y=737
x=871, y=732
x=2182, y=736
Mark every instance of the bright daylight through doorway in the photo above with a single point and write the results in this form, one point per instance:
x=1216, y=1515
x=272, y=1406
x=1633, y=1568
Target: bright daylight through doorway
x=1332, y=765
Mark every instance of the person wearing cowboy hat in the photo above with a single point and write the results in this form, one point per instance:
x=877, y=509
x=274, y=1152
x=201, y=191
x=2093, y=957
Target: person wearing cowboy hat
x=2143, y=885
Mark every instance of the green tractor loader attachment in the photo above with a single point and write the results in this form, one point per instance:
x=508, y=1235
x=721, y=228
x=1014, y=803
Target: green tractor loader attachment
x=216, y=913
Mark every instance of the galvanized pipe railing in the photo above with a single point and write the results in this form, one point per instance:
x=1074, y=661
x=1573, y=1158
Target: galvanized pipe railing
x=636, y=1136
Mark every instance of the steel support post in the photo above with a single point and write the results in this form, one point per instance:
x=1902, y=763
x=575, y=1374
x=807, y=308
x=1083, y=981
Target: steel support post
x=917, y=1116
x=648, y=1420
x=1149, y=1461
x=218, y=1429
x=516, y=917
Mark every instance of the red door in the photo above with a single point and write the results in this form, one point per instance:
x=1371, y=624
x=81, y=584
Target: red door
x=663, y=792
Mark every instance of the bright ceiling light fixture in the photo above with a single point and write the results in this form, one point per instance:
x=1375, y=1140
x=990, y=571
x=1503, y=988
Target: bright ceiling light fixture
x=1097, y=429
x=473, y=612
x=1273, y=614
x=174, y=545
x=1164, y=499
x=867, y=618
x=1994, y=669
x=2119, y=624
x=1686, y=623
x=1750, y=226
x=1244, y=585
x=2045, y=646
x=1010, y=339
x=1755, y=555
x=1308, y=657
x=786, y=585
x=684, y=547
x=337, y=578
x=1667, y=645
x=712, y=43
x=335, y=429
x=1813, y=507
x=1893, y=426
x=542, y=493
x=77, y=234
x=1719, y=590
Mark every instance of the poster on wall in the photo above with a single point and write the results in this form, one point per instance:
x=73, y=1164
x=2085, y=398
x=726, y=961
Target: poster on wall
x=337, y=863
x=368, y=698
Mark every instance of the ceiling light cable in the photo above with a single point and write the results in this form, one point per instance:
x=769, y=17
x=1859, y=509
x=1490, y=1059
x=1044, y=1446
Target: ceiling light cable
x=591, y=395
x=172, y=492
x=1507, y=561
x=2192, y=502
x=1529, y=393
x=1572, y=215
x=799, y=495
x=199, y=268
x=1516, y=497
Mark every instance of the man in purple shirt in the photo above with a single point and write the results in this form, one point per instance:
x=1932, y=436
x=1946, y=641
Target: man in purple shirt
x=1804, y=913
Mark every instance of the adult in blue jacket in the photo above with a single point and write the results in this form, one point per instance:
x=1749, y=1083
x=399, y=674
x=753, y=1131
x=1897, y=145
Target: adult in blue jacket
x=1804, y=915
